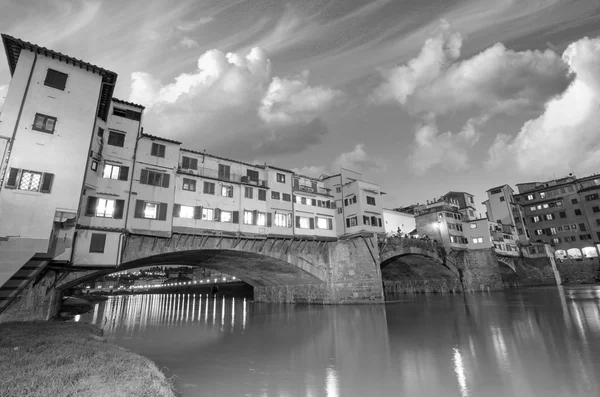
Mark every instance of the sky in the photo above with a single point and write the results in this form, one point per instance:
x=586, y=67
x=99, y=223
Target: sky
x=421, y=96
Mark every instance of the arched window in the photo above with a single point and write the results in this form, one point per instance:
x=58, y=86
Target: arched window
x=560, y=254
x=574, y=253
x=590, y=252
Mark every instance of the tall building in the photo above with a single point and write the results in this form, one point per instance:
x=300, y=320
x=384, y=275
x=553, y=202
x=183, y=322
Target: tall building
x=396, y=219
x=502, y=208
x=78, y=173
x=466, y=204
x=441, y=220
x=564, y=213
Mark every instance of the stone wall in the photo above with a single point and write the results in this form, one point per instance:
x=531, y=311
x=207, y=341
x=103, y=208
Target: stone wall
x=36, y=302
x=579, y=271
x=530, y=272
x=443, y=285
x=479, y=269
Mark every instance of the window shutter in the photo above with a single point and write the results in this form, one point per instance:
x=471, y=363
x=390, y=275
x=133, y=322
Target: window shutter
x=328, y=204
x=312, y=223
x=92, y=203
x=373, y=221
x=176, y=210
x=297, y=221
x=269, y=219
x=162, y=211
x=230, y=191
x=154, y=150
x=236, y=217
x=124, y=173
x=47, y=182
x=294, y=198
x=198, y=212
x=217, y=215
x=144, y=177
x=194, y=164
x=97, y=242
x=347, y=222
x=119, y=205
x=379, y=221
x=289, y=220
x=313, y=202
x=139, y=209
x=165, y=180
x=161, y=150
x=11, y=183
x=330, y=224
x=185, y=162
x=345, y=202
x=296, y=183
x=254, y=217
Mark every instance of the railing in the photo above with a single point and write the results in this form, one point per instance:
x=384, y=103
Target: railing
x=229, y=177
x=311, y=189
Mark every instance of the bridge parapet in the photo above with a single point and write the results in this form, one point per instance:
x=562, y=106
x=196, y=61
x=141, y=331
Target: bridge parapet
x=390, y=247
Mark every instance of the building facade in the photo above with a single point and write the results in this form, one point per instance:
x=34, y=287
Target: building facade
x=78, y=168
x=396, y=219
x=442, y=221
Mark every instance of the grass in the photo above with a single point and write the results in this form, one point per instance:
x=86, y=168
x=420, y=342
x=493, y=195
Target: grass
x=72, y=359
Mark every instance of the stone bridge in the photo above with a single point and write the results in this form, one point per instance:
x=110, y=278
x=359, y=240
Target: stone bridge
x=522, y=271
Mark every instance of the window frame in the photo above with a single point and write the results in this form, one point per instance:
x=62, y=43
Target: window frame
x=45, y=118
x=191, y=184
x=371, y=198
x=52, y=76
x=158, y=150
x=280, y=178
x=113, y=134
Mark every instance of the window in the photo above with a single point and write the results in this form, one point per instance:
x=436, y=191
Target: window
x=596, y=209
x=154, y=178
x=555, y=240
x=157, y=150
x=535, y=219
x=577, y=212
x=247, y=192
x=542, y=194
x=563, y=214
x=252, y=175
x=459, y=228
x=305, y=223
x=477, y=240
x=29, y=180
x=574, y=201
x=598, y=221
x=303, y=200
x=208, y=214
x=366, y=220
x=209, y=188
x=97, y=243
x=530, y=197
x=324, y=223
x=582, y=227
x=585, y=237
x=471, y=200
x=44, y=123
x=94, y=166
x=117, y=172
x=338, y=189
x=370, y=200
x=552, y=231
x=283, y=220
x=549, y=217
x=520, y=231
x=56, y=79
x=188, y=163
x=351, y=221
x=105, y=208
x=116, y=138
x=248, y=218
x=473, y=225
x=281, y=178
x=189, y=184
x=591, y=197
x=286, y=197
x=261, y=219
x=227, y=191
x=340, y=210
x=275, y=195
x=128, y=114
x=225, y=216
x=186, y=212
x=262, y=194
x=148, y=210
x=538, y=232
x=224, y=172
x=502, y=198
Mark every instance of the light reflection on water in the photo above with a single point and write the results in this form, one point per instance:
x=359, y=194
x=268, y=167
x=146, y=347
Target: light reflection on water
x=535, y=342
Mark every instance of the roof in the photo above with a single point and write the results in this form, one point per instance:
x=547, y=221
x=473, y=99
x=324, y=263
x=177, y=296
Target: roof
x=451, y=192
x=500, y=187
x=14, y=46
x=160, y=138
x=222, y=158
x=280, y=169
x=135, y=105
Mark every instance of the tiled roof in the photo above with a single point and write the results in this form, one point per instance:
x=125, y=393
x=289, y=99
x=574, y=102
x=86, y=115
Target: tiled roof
x=223, y=158
x=160, y=138
x=14, y=46
x=128, y=103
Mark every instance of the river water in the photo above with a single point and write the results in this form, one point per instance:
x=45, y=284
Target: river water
x=529, y=342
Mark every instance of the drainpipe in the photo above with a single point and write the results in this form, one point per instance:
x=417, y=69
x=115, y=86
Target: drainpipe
x=343, y=206
x=8, y=149
x=137, y=139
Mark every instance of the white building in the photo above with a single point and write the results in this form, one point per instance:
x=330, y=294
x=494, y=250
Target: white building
x=395, y=219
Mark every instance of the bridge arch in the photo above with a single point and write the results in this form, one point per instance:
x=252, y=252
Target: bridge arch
x=410, y=265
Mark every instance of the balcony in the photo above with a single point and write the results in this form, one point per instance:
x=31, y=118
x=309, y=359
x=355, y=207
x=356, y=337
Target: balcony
x=311, y=189
x=228, y=177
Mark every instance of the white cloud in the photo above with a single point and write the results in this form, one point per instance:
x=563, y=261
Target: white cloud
x=495, y=80
x=566, y=134
x=449, y=150
x=232, y=101
x=356, y=160
x=3, y=92
x=188, y=42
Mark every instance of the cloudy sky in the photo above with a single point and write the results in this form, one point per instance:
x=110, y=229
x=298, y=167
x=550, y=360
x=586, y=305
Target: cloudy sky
x=422, y=96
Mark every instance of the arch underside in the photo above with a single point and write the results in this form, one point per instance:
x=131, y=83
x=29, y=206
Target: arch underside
x=254, y=269
x=415, y=267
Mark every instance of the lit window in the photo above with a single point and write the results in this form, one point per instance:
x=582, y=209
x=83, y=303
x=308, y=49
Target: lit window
x=322, y=223
x=151, y=210
x=30, y=180
x=304, y=223
x=281, y=220
x=105, y=208
x=261, y=219
x=542, y=195
x=590, y=252
x=248, y=218
x=208, y=214
x=227, y=191
x=530, y=197
x=473, y=225
x=186, y=212
x=111, y=171
x=281, y=178
x=226, y=216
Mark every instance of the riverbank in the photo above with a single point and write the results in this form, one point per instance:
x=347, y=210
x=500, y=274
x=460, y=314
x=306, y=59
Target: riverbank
x=72, y=359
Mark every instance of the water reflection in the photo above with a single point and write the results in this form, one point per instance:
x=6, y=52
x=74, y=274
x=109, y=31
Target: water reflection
x=523, y=343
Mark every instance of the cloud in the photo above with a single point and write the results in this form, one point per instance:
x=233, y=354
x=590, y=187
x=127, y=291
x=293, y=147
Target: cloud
x=449, y=150
x=566, y=134
x=3, y=92
x=495, y=80
x=232, y=102
x=188, y=42
x=356, y=160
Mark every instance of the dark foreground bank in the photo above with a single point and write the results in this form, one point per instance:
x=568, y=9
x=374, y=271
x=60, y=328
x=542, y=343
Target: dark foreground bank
x=72, y=359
